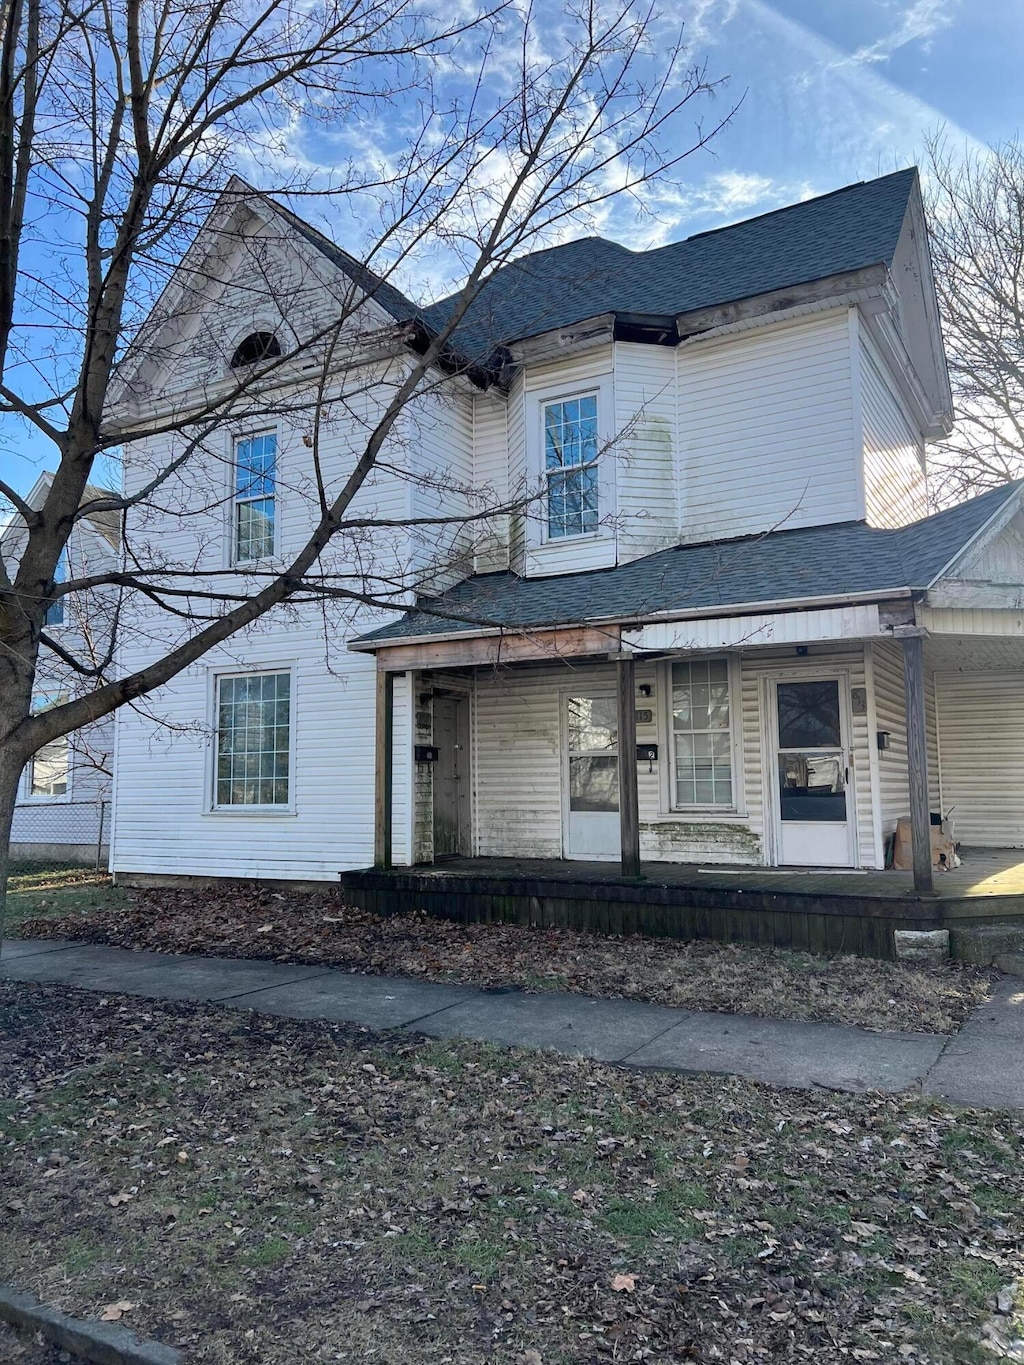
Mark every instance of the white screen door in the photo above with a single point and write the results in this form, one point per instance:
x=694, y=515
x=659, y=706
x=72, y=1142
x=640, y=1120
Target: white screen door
x=812, y=773
x=592, y=778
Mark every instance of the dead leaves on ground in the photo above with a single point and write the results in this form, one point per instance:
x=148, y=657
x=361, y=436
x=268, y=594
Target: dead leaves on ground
x=474, y=1202
x=312, y=927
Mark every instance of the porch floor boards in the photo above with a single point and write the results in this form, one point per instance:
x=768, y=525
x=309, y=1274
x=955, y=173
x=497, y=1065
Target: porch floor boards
x=983, y=872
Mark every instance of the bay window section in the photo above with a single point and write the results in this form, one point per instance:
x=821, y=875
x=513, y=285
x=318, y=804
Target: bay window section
x=253, y=758
x=702, y=735
x=570, y=466
x=255, y=497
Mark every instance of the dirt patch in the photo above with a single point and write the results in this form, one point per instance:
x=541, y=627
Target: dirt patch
x=31, y=1348
x=315, y=928
x=263, y=1190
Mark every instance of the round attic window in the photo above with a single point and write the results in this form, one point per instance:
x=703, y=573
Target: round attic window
x=257, y=346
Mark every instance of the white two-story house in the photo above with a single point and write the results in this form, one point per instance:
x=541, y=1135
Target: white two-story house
x=712, y=622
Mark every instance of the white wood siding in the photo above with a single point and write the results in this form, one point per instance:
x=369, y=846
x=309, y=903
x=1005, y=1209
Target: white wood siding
x=162, y=822
x=890, y=715
x=645, y=456
x=894, y=787
x=894, y=481
x=437, y=435
x=491, y=477
x=766, y=430
x=981, y=746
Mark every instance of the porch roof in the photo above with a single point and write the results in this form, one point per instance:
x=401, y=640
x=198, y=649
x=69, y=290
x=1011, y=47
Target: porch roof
x=779, y=569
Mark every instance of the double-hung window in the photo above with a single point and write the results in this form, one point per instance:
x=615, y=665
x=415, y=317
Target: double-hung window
x=253, y=757
x=571, y=451
x=47, y=771
x=702, y=734
x=255, y=497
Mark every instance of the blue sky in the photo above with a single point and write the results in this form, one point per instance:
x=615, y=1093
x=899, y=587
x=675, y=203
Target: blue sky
x=833, y=91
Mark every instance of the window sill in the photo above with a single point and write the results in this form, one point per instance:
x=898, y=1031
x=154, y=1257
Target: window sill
x=47, y=801
x=254, y=812
x=702, y=814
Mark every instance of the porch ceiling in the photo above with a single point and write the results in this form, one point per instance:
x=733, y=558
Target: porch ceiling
x=974, y=653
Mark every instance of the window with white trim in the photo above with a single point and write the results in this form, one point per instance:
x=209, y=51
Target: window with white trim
x=255, y=497
x=48, y=770
x=571, y=449
x=253, y=757
x=702, y=745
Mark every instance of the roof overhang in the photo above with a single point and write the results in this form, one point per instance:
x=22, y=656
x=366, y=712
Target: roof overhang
x=493, y=643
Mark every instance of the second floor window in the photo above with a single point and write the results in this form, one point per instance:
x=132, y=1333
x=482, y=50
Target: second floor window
x=255, y=495
x=570, y=466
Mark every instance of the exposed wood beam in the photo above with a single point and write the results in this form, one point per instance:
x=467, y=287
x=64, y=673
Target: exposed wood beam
x=629, y=811
x=383, y=770
x=911, y=642
x=530, y=647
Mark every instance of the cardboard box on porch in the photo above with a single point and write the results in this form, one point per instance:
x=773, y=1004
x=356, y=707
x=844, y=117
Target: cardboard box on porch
x=943, y=846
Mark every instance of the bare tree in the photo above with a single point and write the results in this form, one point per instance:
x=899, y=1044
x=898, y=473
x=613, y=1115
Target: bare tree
x=977, y=231
x=122, y=124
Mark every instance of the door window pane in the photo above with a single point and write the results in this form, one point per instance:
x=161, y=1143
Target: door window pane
x=809, y=715
x=812, y=787
x=593, y=782
x=593, y=725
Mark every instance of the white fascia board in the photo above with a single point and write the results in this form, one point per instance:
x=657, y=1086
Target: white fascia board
x=767, y=628
x=632, y=625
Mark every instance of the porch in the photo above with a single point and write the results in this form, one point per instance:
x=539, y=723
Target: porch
x=818, y=911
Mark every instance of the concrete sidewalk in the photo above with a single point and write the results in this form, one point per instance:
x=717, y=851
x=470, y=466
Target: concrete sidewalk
x=982, y=1066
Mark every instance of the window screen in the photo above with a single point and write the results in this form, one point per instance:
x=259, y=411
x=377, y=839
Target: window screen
x=253, y=740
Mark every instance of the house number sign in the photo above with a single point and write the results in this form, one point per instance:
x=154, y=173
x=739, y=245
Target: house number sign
x=644, y=716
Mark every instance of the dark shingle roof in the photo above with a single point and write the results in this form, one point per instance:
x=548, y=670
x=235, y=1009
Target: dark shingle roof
x=782, y=566
x=846, y=230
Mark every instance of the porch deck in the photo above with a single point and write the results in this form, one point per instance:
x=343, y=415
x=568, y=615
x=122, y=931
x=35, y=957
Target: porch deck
x=831, y=911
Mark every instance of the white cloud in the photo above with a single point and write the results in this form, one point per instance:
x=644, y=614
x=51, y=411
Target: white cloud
x=919, y=20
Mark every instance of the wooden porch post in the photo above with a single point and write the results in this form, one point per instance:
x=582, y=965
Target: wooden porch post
x=629, y=812
x=911, y=640
x=383, y=768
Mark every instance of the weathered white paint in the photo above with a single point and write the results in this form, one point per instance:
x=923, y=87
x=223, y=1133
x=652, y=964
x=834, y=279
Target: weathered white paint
x=890, y=716
x=981, y=746
x=895, y=489
x=645, y=452
x=491, y=477
x=519, y=770
x=971, y=621
x=765, y=423
x=768, y=628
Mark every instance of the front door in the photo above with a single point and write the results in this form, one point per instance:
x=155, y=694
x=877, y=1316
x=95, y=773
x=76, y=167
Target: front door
x=450, y=771
x=812, y=773
x=592, y=777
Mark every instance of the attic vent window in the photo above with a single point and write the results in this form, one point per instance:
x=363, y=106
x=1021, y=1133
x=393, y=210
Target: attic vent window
x=257, y=346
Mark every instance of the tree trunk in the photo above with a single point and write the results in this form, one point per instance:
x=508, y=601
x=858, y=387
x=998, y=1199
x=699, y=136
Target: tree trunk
x=10, y=776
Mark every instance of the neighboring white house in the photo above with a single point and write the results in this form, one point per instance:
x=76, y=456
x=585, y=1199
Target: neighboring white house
x=64, y=804
x=727, y=551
